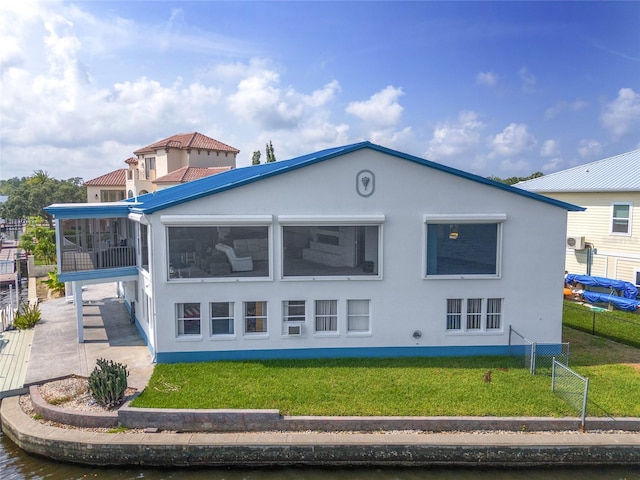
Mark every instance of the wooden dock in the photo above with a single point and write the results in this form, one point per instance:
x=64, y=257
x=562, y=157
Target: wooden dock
x=15, y=349
x=8, y=272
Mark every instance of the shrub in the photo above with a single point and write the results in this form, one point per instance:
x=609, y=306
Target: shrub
x=27, y=316
x=108, y=383
x=55, y=285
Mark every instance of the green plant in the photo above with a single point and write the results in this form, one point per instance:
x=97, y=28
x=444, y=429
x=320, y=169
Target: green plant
x=108, y=383
x=28, y=315
x=55, y=285
x=119, y=429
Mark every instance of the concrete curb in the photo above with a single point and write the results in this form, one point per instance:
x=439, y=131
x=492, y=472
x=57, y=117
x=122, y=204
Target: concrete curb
x=317, y=449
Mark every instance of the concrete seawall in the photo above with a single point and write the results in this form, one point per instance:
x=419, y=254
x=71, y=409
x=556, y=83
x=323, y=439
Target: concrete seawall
x=280, y=448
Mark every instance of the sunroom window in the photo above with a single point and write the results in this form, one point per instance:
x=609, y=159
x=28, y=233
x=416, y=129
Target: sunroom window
x=463, y=248
x=218, y=251
x=330, y=250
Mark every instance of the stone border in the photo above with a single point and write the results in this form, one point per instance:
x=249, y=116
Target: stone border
x=316, y=449
x=195, y=421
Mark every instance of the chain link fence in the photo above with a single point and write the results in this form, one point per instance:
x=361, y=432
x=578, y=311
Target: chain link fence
x=618, y=326
x=573, y=388
x=538, y=357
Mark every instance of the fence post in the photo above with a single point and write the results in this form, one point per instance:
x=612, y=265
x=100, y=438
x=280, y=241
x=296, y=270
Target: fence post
x=553, y=374
x=584, y=404
x=533, y=358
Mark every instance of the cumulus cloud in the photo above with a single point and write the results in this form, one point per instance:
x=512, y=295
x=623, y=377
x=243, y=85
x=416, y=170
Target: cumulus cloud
x=588, y=148
x=515, y=139
x=549, y=148
x=451, y=139
x=381, y=109
x=487, y=79
x=553, y=165
x=623, y=113
x=528, y=80
x=563, y=106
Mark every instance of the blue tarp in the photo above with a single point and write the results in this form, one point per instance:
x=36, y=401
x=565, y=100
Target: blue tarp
x=618, y=302
x=626, y=289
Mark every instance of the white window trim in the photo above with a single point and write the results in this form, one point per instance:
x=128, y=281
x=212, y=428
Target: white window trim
x=629, y=220
x=216, y=220
x=497, y=218
x=483, y=330
x=187, y=336
x=359, y=333
x=286, y=322
x=223, y=336
x=246, y=334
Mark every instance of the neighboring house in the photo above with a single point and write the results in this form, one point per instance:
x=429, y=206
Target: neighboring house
x=107, y=188
x=167, y=162
x=604, y=240
x=352, y=251
x=165, y=156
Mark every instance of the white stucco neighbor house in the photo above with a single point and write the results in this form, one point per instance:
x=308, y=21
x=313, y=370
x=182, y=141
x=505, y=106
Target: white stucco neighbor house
x=603, y=240
x=352, y=251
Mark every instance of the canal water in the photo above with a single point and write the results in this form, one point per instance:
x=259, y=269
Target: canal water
x=17, y=465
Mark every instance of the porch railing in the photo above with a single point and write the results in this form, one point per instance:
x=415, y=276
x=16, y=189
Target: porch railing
x=88, y=259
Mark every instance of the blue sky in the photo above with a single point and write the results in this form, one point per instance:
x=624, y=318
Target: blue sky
x=494, y=88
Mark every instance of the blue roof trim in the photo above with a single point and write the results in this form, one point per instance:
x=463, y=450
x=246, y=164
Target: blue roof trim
x=221, y=182
x=88, y=210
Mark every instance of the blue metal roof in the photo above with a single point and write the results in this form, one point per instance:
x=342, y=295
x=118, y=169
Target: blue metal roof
x=221, y=182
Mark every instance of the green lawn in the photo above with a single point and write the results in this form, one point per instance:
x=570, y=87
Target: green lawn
x=399, y=386
x=616, y=325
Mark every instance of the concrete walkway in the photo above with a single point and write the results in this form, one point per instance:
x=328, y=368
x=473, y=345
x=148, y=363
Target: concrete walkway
x=108, y=334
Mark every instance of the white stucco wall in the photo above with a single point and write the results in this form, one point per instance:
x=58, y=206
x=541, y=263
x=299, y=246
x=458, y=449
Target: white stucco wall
x=402, y=300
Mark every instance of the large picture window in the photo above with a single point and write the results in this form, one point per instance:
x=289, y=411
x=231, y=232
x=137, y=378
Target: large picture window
x=330, y=250
x=463, y=249
x=218, y=251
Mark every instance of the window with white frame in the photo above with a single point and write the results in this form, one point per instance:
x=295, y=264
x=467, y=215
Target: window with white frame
x=474, y=313
x=463, y=245
x=293, y=316
x=222, y=318
x=621, y=219
x=358, y=316
x=326, y=316
x=255, y=317
x=494, y=313
x=330, y=248
x=188, y=319
x=218, y=251
x=481, y=315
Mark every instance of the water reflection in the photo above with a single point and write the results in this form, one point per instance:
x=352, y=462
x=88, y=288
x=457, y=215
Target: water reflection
x=18, y=465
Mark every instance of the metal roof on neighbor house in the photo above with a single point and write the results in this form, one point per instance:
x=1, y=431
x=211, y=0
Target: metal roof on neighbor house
x=620, y=173
x=186, y=192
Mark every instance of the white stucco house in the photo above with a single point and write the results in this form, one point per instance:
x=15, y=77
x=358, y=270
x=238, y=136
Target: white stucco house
x=603, y=240
x=352, y=251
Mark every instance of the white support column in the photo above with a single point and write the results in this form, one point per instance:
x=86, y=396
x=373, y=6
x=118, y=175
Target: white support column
x=77, y=296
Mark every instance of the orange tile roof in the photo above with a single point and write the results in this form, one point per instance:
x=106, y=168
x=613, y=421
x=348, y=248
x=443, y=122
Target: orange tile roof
x=186, y=174
x=187, y=141
x=131, y=161
x=117, y=178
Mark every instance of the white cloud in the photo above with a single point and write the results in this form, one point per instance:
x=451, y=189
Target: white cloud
x=381, y=109
x=563, y=106
x=549, y=148
x=623, y=113
x=528, y=80
x=553, y=165
x=487, y=79
x=515, y=139
x=451, y=139
x=588, y=148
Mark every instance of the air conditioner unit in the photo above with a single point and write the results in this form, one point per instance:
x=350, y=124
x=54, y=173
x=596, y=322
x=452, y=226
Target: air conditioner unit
x=575, y=243
x=294, y=329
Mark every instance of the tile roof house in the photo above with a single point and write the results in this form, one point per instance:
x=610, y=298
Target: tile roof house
x=604, y=240
x=357, y=250
x=167, y=162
